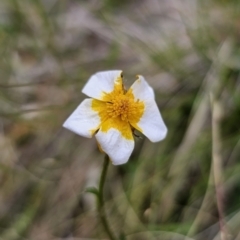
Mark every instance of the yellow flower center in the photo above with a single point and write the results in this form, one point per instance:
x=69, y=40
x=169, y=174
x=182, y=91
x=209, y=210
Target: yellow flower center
x=119, y=110
x=119, y=106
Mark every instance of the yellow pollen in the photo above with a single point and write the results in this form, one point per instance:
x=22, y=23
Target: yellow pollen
x=119, y=106
x=120, y=110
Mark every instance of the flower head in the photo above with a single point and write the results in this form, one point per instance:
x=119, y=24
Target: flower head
x=112, y=113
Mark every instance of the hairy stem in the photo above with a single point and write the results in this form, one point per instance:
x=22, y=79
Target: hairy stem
x=101, y=209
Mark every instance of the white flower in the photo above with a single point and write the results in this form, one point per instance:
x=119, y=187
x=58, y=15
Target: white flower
x=112, y=113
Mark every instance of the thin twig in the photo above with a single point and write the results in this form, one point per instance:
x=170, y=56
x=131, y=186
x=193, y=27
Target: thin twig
x=217, y=164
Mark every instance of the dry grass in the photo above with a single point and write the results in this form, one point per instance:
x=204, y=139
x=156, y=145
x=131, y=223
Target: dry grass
x=186, y=50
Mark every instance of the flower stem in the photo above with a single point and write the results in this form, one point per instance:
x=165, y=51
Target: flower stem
x=101, y=209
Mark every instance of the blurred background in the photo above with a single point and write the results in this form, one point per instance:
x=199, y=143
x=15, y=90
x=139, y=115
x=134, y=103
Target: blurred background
x=185, y=187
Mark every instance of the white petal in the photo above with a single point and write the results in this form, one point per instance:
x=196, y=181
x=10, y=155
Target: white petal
x=83, y=121
x=141, y=89
x=151, y=122
x=101, y=82
x=117, y=147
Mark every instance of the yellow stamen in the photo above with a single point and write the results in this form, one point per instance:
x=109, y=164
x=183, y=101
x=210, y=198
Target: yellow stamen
x=119, y=110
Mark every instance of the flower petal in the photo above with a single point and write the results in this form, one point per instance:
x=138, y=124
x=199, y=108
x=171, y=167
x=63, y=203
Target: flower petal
x=102, y=82
x=117, y=147
x=151, y=123
x=141, y=89
x=84, y=120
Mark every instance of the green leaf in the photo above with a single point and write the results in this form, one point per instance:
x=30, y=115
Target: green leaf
x=93, y=190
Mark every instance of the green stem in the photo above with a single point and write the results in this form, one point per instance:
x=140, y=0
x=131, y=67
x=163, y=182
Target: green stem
x=101, y=209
